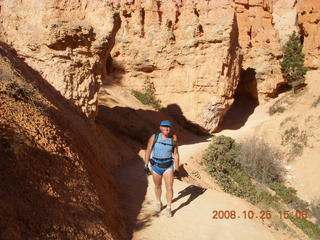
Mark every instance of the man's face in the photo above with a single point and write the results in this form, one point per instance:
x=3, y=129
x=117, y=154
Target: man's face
x=165, y=130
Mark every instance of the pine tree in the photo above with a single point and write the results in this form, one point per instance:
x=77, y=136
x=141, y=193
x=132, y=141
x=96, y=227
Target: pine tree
x=292, y=65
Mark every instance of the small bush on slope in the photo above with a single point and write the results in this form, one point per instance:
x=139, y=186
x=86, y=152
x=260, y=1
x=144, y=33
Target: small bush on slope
x=147, y=97
x=261, y=161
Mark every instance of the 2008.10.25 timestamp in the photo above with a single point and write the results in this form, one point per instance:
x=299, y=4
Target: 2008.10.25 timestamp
x=263, y=214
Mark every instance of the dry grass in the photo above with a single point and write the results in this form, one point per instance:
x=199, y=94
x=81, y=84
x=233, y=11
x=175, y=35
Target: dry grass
x=295, y=140
x=261, y=160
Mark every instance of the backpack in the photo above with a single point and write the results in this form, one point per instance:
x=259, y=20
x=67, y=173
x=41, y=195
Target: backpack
x=173, y=140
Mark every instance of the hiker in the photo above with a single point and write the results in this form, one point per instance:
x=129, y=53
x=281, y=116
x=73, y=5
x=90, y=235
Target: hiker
x=164, y=162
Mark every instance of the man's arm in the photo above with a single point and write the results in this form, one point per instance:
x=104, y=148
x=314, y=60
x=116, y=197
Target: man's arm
x=148, y=150
x=176, y=156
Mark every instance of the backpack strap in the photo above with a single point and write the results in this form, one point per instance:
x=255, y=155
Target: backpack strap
x=155, y=139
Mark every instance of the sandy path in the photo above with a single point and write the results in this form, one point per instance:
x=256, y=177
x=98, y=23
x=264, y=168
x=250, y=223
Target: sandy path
x=193, y=217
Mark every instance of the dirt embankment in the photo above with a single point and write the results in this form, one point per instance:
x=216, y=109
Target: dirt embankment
x=55, y=181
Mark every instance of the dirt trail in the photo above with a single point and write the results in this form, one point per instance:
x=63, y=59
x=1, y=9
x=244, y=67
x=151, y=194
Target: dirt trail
x=192, y=208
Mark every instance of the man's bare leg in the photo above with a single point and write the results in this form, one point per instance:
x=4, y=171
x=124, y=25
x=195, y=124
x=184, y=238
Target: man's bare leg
x=168, y=179
x=157, y=179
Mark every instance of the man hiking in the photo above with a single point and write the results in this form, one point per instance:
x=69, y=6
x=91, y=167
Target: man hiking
x=164, y=162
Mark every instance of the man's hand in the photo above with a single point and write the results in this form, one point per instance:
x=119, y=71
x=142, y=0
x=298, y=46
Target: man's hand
x=146, y=169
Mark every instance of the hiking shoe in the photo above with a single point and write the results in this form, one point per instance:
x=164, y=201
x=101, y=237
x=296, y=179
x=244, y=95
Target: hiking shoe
x=158, y=207
x=168, y=212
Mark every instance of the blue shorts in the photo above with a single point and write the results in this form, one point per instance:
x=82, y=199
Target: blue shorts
x=160, y=170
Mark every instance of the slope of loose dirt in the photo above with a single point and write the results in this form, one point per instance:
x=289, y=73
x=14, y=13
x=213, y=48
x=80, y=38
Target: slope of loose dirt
x=300, y=120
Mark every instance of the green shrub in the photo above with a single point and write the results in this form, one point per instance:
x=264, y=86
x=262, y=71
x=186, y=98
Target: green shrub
x=289, y=196
x=276, y=108
x=233, y=165
x=221, y=160
x=309, y=228
x=296, y=140
x=147, y=97
x=267, y=200
x=261, y=160
x=292, y=65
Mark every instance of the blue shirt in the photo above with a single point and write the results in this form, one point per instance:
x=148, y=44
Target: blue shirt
x=162, y=150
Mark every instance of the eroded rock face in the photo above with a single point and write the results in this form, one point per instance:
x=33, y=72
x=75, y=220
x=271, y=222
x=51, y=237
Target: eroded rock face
x=65, y=41
x=285, y=13
x=185, y=47
x=260, y=43
x=302, y=16
x=188, y=49
x=309, y=22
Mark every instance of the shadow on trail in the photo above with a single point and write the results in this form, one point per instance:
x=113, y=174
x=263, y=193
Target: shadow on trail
x=134, y=127
x=193, y=192
x=132, y=184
